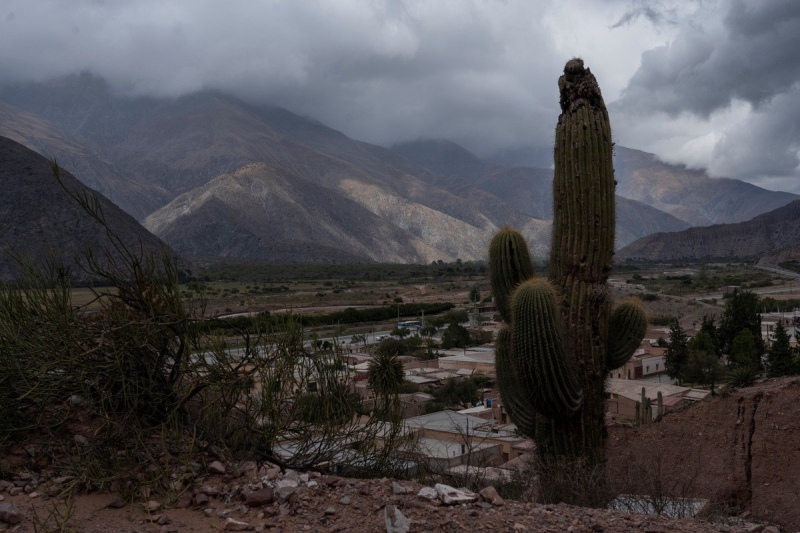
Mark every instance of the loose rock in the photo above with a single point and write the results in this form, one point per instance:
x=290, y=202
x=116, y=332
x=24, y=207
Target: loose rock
x=397, y=488
x=152, y=505
x=236, y=525
x=258, y=498
x=10, y=514
x=396, y=522
x=452, y=496
x=216, y=468
x=489, y=494
x=428, y=493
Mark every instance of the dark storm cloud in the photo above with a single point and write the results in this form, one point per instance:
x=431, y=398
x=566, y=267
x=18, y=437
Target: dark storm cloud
x=750, y=55
x=479, y=72
x=381, y=71
x=746, y=56
x=651, y=11
x=767, y=147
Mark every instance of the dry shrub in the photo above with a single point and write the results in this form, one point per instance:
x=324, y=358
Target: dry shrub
x=131, y=392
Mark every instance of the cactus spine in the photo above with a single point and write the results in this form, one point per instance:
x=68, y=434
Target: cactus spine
x=561, y=337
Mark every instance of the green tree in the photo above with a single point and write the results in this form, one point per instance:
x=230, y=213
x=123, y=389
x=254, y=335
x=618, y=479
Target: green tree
x=401, y=332
x=741, y=312
x=393, y=346
x=709, y=327
x=743, y=352
x=704, y=368
x=451, y=317
x=385, y=374
x=474, y=294
x=428, y=331
x=702, y=342
x=779, y=355
x=703, y=364
x=459, y=393
x=478, y=337
x=677, y=355
x=455, y=336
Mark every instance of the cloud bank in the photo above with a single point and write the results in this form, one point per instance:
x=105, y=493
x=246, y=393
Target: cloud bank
x=707, y=83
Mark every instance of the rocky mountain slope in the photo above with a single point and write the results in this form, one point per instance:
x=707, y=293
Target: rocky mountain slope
x=245, y=213
x=691, y=195
x=741, y=451
x=765, y=234
x=83, y=158
x=38, y=217
x=529, y=189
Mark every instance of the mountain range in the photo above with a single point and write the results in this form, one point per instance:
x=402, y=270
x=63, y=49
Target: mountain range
x=776, y=232
x=215, y=176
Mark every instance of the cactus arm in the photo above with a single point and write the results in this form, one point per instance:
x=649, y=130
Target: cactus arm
x=626, y=329
x=538, y=350
x=509, y=265
x=515, y=396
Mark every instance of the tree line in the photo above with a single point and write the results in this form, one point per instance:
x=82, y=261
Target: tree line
x=733, y=350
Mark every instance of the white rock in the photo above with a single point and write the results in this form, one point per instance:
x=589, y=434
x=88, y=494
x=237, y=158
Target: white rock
x=396, y=522
x=453, y=496
x=216, y=468
x=152, y=505
x=284, y=492
x=428, y=493
x=287, y=483
x=235, y=525
x=397, y=488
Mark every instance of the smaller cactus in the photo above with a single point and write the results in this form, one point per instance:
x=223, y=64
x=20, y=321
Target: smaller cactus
x=538, y=350
x=509, y=265
x=646, y=409
x=660, y=411
x=516, y=400
x=626, y=328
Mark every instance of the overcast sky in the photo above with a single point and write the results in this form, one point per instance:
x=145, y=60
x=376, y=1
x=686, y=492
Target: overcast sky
x=709, y=83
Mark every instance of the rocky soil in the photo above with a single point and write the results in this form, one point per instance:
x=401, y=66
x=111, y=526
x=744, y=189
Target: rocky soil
x=266, y=499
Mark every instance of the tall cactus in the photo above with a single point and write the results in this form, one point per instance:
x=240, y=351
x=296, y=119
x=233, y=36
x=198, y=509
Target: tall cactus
x=561, y=337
